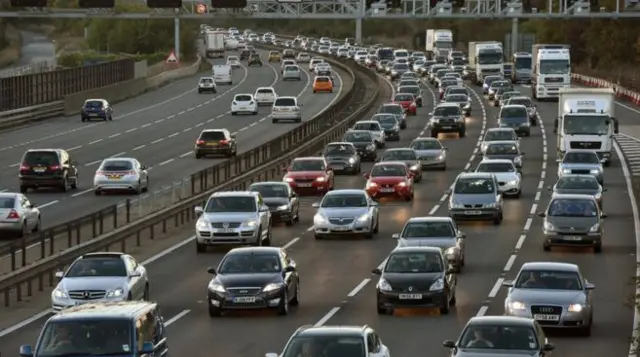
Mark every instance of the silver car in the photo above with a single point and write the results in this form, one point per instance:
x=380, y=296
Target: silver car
x=18, y=216
x=509, y=150
x=232, y=218
x=430, y=152
x=291, y=72
x=408, y=156
x=374, y=128
x=342, y=157
x=509, y=178
x=121, y=174
x=498, y=134
x=476, y=196
x=441, y=232
x=554, y=294
x=581, y=163
x=346, y=212
x=100, y=277
x=581, y=185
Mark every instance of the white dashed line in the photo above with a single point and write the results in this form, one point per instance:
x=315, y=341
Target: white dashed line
x=95, y=141
x=138, y=147
x=157, y=141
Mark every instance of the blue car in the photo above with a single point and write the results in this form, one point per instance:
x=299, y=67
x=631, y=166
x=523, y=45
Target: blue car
x=96, y=109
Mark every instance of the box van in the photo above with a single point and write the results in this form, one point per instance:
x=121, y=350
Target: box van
x=129, y=328
x=222, y=74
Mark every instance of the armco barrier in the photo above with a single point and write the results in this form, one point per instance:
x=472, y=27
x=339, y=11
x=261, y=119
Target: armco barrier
x=622, y=93
x=262, y=163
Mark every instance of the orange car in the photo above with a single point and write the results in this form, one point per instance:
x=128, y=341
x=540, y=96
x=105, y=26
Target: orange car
x=322, y=84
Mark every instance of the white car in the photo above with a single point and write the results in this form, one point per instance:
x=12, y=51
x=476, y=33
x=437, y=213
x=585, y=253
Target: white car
x=286, y=108
x=509, y=179
x=253, y=37
x=286, y=63
x=265, y=95
x=498, y=134
x=303, y=57
x=233, y=61
x=244, y=104
x=324, y=50
x=314, y=62
x=361, y=56
x=207, y=84
x=343, y=52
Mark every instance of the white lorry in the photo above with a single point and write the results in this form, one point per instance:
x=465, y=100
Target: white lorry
x=551, y=70
x=214, y=44
x=485, y=59
x=438, y=42
x=586, y=121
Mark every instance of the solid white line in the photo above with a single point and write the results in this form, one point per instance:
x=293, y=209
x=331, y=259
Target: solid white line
x=328, y=316
x=496, y=288
x=48, y=204
x=359, y=287
x=177, y=317
x=25, y=323
x=482, y=311
x=291, y=242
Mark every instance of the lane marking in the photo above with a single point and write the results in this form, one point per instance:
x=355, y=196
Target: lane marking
x=82, y=192
x=48, y=204
x=359, y=287
x=327, y=317
x=177, y=317
x=95, y=142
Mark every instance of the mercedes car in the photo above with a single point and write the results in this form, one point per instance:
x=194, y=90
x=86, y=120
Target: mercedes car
x=342, y=157
x=581, y=163
x=408, y=156
x=581, y=185
x=346, y=213
x=476, y=196
x=509, y=178
x=282, y=201
x=430, y=152
x=509, y=150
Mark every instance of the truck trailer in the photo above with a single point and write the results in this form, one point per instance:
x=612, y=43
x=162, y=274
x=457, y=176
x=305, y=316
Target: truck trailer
x=214, y=44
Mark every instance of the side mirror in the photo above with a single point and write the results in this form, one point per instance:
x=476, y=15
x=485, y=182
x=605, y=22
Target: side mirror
x=589, y=286
x=26, y=351
x=366, y=176
x=395, y=236
x=264, y=208
x=285, y=169
x=59, y=275
x=603, y=215
x=233, y=136
x=430, y=113
x=604, y=190
x=211, y=270
x=445, y=149
x=462, y=235
x=451, y=269
x=198, y=210
x=448, y=192
x=316, y=205
x=143, y=167
x=135, y=274
x=522, y=154
x=289, y=269
x=376, y=271
x=548, y=347
x=542, y=214
x=147, y=348
x=558, y=160
x=507, y=283
x=449, y=344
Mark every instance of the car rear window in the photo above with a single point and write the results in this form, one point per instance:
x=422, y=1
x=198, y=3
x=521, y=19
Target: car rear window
x=403, y=97
x=116, y=165
x=206, y=80
x=243, y=98
x=322, y=79
x=265, y=91
x=291, y=68
x=212, y=135
x=44, y=158
x=93, y=104
x=7, y=202
x=285, y=102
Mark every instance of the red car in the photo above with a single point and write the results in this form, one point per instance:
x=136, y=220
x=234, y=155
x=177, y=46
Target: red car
x=408, y=102
x=309, y=175
x=390, y=179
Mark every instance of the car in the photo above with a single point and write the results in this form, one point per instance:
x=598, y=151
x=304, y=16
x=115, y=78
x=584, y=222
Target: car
x=291, y=72
x=322, y=84
x=314, y=62
x=476, y=196
x=303, y=57
x=417, y=66
x=390, y=179
x=274, y=56
x=573, y=220
x=254, y=60
x=441, y=232
x=406, y=83
x=324, y=50
x=509, y=177
x=492, y=335
x=371, y=61
x=462, y=100
x=207, y=84
x=282, y=201
x=234, y=62
x=343, y=340
x=488, y=80
x=415, y=90
x=374, y=127
x=501, y=85
x=579, y=184
x=265, y=95
x=18, y=216
x=415, y=277
x=222, y=73
x=343, y=52
x=47, y=168
x=408, y=103
x=215, y=142
x=430, y=152
x=346, y=213
x=252, y=278
x=515, y=116
x=244, y=104
x=100, y=277
x=96, y=109
x=398, y=69
x=233, y=218
x=440, y=74
x=309, y=175
x=497, y=96
x=287, y=62
x=121, y=174
x=342, y=157
x=408, y=156
x=409, y=75
x=382, y=65
x=532, y=109
x=288, y=54
x=444, y=86
x=286, y=108
x=390, y=125
x=554, y=294
x=456, y=90
x=397, y=110
x=245, y=54
x=498, y=134
x=364, y=143
x=447, y=118
x=581, y=163
x=504, y=97
x=433, y=71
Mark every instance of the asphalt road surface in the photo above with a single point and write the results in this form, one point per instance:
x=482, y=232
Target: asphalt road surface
x=338, y=288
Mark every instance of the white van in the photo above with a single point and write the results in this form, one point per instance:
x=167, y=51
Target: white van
x=222, y=74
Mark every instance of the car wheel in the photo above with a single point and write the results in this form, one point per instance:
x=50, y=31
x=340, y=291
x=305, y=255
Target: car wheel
x=546, y=247
x=453, y=298
x=74, y=183
x=296, y=299
x=597, y=248
x=444, y=309
x=23, y=189
x=267, y=241
x=382, y=310
x=145, y=295
x=376, y=229
x=65, y=184
x=283, y=308
x=434, y=134
x=214, y=311
x=498, y=219
x=36, y=228
x=234, y=113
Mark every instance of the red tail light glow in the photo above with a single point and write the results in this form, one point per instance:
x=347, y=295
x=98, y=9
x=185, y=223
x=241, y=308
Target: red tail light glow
x=24, y=167
x=224, y=142
x=13, y=215
x=54, y=167
x=200, y=142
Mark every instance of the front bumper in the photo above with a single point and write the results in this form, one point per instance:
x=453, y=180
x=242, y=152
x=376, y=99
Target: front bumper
x=428, y=162
x=446, y=128
x=392, y=135
x=330, y=229
x=509, y=188
x=344, y=167
x=59, y=304
x=261, y=300
x=392, y=299
x=394, y=192
x=281, y=215
x=573, y=240
x=565, y=320
x=474, y=214
x=236, y=236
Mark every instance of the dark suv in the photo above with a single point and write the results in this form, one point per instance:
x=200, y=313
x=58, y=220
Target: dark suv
x=255, y=59
x=47, y=168
x=216, y=142
x=244, y=54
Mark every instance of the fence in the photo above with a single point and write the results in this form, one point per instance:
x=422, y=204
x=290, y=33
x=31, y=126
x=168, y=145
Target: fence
x=31, y=68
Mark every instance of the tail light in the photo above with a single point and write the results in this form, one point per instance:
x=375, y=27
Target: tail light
x=55, y=167
x=200, y=142
x=13, y=215
x=224, y=142
x=24, y=167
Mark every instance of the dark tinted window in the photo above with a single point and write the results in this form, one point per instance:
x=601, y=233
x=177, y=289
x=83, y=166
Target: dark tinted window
x=212, y=135
x=495, y=167
x=403, y=97
x=388, y=171
x=502, y=149
x=447, y=110
x=499, y=337
x=548, y=279
x=581, y=157
x=43, y=158
x=231, y=204
x=206, y=80
x=285, y=102
x=249, y=263
x=270, y=190
x=97, y=267
x=243, y=98
x=400, y=66
x=7, y=202
x=339, y=149
x=418, y=262
x=307, y=165
x=513, y=112
x=344, y=200
x=570, y=207
x=322, y=79
x=521, y=101
x=498, y=135
x=326, y=345
x=457, y=98
x=474, y=186
x=399, y=155
x=93, y=104
x=457, y=91
x=116, y=165
x=426, y=145
x=358, y=136
x=428, y=230
x=265, y=91
x=83, y=337
x=393, y=109
x=578, y=183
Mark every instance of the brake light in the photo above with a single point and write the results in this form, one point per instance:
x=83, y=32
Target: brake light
x=200, y=142
x=13, y=215
x=224, y=142
x=54, y=167
x=24, y=167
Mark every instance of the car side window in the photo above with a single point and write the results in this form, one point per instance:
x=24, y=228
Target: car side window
x=130, y=264
x=371, y=342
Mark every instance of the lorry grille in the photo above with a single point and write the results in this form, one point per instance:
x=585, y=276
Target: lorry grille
x=554, y=80
x=588, y=145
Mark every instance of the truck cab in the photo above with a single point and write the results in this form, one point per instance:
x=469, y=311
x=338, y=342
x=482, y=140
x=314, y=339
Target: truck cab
x=521, y=68
x=551, y=71
x=486, y=59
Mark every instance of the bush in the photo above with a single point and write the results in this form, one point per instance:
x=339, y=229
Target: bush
x=78, y=59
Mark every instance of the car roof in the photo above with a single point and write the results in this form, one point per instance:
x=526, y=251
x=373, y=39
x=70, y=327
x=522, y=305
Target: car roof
x=367, y=122
x=430, y=219
x=119, y=158
x=572, y=196
x=496, y=161
x=239, y=94
x=213, y=130
x=233, y=194
x=501, y=129
x=255, y=250
x=519, y=106
x=425, y=138
x=416, y=250
x=345, y=191
x=499, y=142
x=57, y=151
x=550, y=266
x=95, y=100
x=8, y=195
x=306, y=158
x=259, y=88
x=122, y=309
x=475, y=175
x=328, y=330
x=398, y=149
x=445, y=104
x=341, y=143
x=500, y=320
x=287, y=97
x=270, y=183
x=588, y=177
x=386, y=163
x=521, y=97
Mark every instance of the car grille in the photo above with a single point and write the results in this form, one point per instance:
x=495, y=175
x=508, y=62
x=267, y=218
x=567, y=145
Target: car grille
x=554, y=80
x=87, y=294
x=226, y=225
x=411, y=287
x=580, y=172
x=387, y=185
x=244, y=291
x=473, y=206
x=304, y=180
x=446, y=121
x=427, y=158
x=343, y=221
x=546, y=310
x=592, y=145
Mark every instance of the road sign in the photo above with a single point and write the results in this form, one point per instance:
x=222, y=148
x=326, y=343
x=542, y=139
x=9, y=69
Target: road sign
x=172, y=58
x=201, y=8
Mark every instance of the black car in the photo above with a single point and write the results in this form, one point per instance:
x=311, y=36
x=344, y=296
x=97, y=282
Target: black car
x=416, y=277
x=254, y=59
x=395, y=109
x=516, y=117
x=364, y=143
x=216, y=142
x=390, y=125
x=96, y=109
x=254, y=278
x=52, y=168
x=579, y=185
x=342, y=157
x=447, y=118
x=244, y=54
x=282, y=201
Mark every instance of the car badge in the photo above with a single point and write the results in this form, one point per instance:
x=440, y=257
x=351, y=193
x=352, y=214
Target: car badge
x=86, y=294
x=225, y=225
x=546, y=309
x=244, y=291
x=411, y=288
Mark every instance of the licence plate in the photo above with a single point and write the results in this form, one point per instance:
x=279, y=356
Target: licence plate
x=541, y=317
x=303, y=185
x=94, y=115
x=473, y=212
x=446, y=127
x=226, y=230
x=338, y=167
x=212, y=144
x=39, y=169
x=387, y=190
x=572, y=238
x=244, y=299
x=114, y=177
x=410, y=296
x=340, y=229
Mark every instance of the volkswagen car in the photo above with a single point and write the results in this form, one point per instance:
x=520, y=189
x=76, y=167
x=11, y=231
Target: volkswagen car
x=244, y=104
x=18, y=216
x=476, y=196
x=390, y=179
x=283, y=202
x=121, y=174
x=342, y=157
x=265, y=95
x=430, y=152
x=346, y=212
x=581, y=185
x=215, y=142
x=581, y=163
x=364, y=143
x=309, y=175
x=509, y=178
x=408, y=156
x=508, y=150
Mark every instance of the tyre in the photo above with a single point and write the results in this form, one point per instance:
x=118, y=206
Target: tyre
x=296, y=299
x=214, y=311
x=462, y=133
x=434, y=133
x=283, y=308
x=234, y=113
x=23, y=189
x=200, y=248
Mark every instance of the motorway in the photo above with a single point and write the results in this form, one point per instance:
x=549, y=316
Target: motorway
x=159, y=129
x=337, y=287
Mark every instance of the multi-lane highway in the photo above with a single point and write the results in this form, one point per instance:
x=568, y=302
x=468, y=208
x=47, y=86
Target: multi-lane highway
x=337, y=287
x=159, y=129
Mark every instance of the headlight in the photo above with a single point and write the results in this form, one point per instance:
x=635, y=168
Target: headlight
x=320, y=219
x=251, y=223
x=283, y=208
x=517, y=159
x=371, y=184
x=455, y=205
x=384, y=285
x=216, y=287
x=491, y=91
x=566, y=171
x=321, y=179
x=467, y=106
x=394, y=73
x=440, y=157
x=594, y=228
x=595, y=172
x=517, y=305
x=402, y=184
x=202, y=224
x=59, y=293
x=450, y=252
x=287, y=179
x=371, y=147
x=575, y=307
x=491, y=205
x=598, y=196
x=415, y=168
x=549, y=227
x=352, y=160
x=512, y=182
x=396, y=128
x=437, y=285
x=272, y=287
x=115, y=293
x=363, y=218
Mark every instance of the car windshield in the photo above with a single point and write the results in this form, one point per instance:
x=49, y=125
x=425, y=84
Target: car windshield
x=448, y=83
x=338, y=345
x=499, y=135
x=403, y=98
x=426, y=145
x=116, y=165
x=243, y=98
x=489, y=80
x=265, y=91
x=410, y=89
x=307, y=165
x=323, y=79
x=41, y=158
x=399, y=155
x=231, y=204
x=93, y=104
x=548, y=279
x=502, y=149
x=212, y=136
x=499, y=84
x=271, y=190
x=386, y=120
x=496, y=167
x=508, y=112
x=573, y=207
x=578, y=183
x=458, y=98
x=520, y=101
x=94, y=266
x=391, y=109
x=291, y=68
x=339, y=149
x=206, y=80
x=458, y=62
x=428, y=230
x=448, y=110
x=375, y=126
x=418, y=262
x=474, y=186
x=285, y=102
x=358, y=137
x=388, y=171
x=249, y=264
x=581, y=158
x=457, y=91
x=87, y=337
x=499, y=337
x=344, y=200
